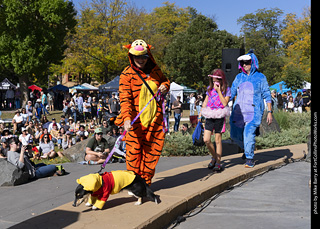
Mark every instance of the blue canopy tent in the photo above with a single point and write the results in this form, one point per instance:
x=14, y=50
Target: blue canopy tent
x=112, y=86
x=281, y=87
x=59, y=87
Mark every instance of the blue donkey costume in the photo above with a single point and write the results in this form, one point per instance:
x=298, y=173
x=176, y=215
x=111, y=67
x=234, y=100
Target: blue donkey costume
x=248, y=108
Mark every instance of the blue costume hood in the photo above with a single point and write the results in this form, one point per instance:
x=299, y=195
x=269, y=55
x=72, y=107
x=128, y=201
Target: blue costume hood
x=254, y=63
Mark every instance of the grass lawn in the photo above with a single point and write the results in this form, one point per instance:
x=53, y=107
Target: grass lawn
x=53, y=114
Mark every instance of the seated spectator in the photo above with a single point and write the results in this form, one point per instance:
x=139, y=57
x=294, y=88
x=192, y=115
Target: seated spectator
x=2, y=127
x=97, y=148
x=91, y=126
x=62, y=119
x=185, y=129
x=45, y=131
x=64, y=126
x=115, y=131
x=81, y=137
x=33, y=150
x=24, y=137
x=17, y=122
x=52, y=123
x=68, y=140
x=61, y=135
x=44, y=120
x=31, y=128
x=105, y=127
x=25, y=116
x=77, y=127
x=54, y=133
x=38, y=134
x=81, y=133
x=6, y=134
x=71, y=124
x=20, y=160
x=4, y=148
x=46, y=147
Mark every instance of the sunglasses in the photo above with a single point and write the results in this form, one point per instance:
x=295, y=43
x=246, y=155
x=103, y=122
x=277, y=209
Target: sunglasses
x=141, y=57
x=246, y=62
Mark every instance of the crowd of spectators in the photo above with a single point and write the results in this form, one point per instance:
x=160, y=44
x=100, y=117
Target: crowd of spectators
x=44, y=139
x=287, y=102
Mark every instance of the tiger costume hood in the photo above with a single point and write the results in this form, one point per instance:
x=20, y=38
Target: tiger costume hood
x=141, y=48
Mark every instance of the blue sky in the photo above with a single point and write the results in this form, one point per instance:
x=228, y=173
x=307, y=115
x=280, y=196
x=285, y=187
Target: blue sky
x=226, y=12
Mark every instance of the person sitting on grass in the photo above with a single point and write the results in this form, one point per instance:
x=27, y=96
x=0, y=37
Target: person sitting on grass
x=68, y=140
x=61, y=135
x=97, y=148
x=4, y=148
x=54, y=133
x=17, y=122
x=185, y=130
x=82, y=133
x=21, y=161
x=46, y=147
x=91, y=126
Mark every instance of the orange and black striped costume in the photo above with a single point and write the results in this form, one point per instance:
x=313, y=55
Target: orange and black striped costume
x=144, y=141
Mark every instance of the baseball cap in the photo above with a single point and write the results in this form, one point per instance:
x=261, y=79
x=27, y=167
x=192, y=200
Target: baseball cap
x=98, y=130
x=244, y=57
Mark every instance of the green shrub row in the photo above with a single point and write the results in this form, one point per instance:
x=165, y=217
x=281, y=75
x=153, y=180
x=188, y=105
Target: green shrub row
x=295, y=128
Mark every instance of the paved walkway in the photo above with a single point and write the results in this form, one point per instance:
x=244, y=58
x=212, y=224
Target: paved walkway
x=279, y=199
x=180, y=190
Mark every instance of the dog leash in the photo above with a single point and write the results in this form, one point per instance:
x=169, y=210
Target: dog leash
x=157, y=95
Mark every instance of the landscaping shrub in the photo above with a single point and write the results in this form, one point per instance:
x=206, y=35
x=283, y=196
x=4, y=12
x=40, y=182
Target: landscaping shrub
x=295, y=128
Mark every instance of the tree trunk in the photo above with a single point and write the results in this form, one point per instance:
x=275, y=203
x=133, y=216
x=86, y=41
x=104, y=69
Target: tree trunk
x=24, y=82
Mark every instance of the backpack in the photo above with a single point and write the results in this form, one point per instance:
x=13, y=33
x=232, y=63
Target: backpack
x=197, y=136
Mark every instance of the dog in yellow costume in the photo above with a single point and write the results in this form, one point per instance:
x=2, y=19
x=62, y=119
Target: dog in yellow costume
x=100, y=186
x=144, y=141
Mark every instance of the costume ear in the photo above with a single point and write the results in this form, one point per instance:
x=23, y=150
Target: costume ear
x=150, y=47
x=127, y=46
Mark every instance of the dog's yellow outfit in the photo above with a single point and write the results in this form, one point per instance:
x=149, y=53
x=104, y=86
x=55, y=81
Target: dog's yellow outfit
x=104, y=185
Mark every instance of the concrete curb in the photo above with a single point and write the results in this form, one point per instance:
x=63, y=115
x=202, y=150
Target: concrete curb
x=181, y=189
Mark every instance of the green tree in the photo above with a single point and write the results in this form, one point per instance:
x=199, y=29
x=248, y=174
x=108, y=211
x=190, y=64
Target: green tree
x=162, y=24
x=261, y=32
x=296, y=38
x=193, y=54
x=32, y=34
x=95, y=50
x=104, y=26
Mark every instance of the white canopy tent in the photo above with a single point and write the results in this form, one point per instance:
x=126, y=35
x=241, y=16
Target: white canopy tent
x=90, y=87
x=175, y=90
x=306, y=85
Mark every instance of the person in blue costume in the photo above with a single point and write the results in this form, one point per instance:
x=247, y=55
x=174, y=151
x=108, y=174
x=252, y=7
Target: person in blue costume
x=250, y=88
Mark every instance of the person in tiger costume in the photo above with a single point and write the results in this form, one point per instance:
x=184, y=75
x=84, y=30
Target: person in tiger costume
x=145, y=138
